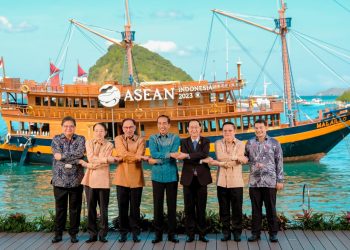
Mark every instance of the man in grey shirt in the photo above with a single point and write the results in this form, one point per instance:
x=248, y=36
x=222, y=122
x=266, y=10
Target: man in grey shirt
x=266, y=177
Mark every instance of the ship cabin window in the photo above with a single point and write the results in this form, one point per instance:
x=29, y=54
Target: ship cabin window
x=186, y=127
x=143, y=133
x=60, y=102
x=45, y=130
x=212, y=97
x=179, y=102
x=221, y=122
x=93, y=103
x=38, y=101
x=212, y=125
x=84, y=103
x=180, y=127
x=245, y=122
x=99, y=105
x=221, y=97
x=46, y=101
x=205, y=126
x=238, y=123
x=76, y=102
x=52, y=101
x=121, y=103
x=69, y=102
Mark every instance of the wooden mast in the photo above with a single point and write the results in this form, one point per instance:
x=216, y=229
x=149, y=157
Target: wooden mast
x=282, y=25
x=128, y=42
x=286, y=66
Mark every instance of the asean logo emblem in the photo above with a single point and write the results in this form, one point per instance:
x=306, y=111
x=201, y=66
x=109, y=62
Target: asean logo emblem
x=110, y=95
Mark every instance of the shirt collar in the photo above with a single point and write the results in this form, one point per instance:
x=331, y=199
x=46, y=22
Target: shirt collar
x=233, y=142
x=102, y=142
x=197, y=140
x=159, y=135
x=133, y=138
x=62, y=136
x=266, y=138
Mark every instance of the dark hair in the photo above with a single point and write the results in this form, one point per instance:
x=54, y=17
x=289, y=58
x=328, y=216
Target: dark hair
x=165, y=116
x=260, y=121
x=129, y=119
x=68, y=118
x=101, y=124
x=194, y=120
x=229, y=123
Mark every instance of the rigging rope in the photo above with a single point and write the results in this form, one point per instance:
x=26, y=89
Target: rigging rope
x=206, y=53
x=263, y=68
x=325, y=48
x=100, y=28
x=247, y=52
x=345, y=8
x=94, y=43
x=319, y=59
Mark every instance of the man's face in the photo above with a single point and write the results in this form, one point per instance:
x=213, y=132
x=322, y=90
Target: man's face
x=260, y=130
x=163, y=125
x=228, y=132
x=194, y=129
x=129, y=128
x=68, y=128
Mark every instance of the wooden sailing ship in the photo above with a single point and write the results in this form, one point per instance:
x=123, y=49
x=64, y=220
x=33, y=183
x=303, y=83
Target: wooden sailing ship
x=212, y=103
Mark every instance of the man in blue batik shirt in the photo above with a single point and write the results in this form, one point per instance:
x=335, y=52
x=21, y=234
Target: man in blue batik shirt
x=164, y=149
x=266, y=177
x=68, y=149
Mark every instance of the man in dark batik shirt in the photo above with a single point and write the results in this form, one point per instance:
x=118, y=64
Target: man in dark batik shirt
x=266, y=177
x=68, y=150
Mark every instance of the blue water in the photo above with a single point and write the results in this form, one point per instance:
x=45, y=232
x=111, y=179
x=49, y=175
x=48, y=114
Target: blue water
x=27, y=189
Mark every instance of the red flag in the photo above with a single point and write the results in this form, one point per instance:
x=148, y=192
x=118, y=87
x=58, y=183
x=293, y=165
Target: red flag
x=55, y=81
x=1, y=63
x=53, y=69
x=81, y=72
x=54, y=76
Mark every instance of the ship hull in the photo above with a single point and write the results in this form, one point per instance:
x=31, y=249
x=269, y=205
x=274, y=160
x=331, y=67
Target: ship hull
x=308, y=142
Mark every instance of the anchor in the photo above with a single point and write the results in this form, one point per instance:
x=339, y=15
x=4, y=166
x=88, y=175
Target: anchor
x=26, y=147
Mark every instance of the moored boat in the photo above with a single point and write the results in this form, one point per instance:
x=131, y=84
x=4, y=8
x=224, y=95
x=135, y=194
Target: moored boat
x=212, y=103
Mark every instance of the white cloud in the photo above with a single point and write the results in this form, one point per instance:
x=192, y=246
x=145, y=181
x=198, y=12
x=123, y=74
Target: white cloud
x=160, y=46
x=7, y=26
x=172, y=14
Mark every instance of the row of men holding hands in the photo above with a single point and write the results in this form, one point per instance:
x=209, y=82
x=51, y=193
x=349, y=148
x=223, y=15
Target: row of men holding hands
x=263, y=153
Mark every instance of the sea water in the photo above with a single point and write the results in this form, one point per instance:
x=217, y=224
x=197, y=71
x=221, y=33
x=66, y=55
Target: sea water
x=27, y=189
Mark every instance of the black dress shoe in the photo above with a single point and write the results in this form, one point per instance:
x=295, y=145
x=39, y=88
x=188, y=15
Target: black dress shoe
x=123, y=237
x=57, y=238
x=173, y=238
x=157, y=239
x=237, y=237
x=190, y=238
x=73, y=239
x=226, y=237
x=91, y=239
x=203, y=238
x=103, y=239
x=253, y=238
x=136, y=238
x=273, y=238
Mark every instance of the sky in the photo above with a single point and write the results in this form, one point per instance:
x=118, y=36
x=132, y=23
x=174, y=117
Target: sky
x=32, y=34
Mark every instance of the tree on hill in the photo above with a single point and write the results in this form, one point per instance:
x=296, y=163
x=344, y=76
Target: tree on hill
x=149, y=66
x=345, y=97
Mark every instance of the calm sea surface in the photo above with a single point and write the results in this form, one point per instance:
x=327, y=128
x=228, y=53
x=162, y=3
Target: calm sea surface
x=27, y=189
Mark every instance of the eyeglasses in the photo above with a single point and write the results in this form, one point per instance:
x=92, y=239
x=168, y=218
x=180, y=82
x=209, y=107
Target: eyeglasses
x=68, y=126
x=131, y=127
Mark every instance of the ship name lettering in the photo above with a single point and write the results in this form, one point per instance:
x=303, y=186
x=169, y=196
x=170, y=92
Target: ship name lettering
x=329, y=123
x=147, y=95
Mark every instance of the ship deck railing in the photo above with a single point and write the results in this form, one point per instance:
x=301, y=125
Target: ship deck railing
x=210, y=110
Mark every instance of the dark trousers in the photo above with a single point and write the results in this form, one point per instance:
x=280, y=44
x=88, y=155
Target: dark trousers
x=158, y=202
x=195, y=196
x=100, y=196
x=230, y=198
x=129, y=197
x=63, y=197
x=257, y=197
